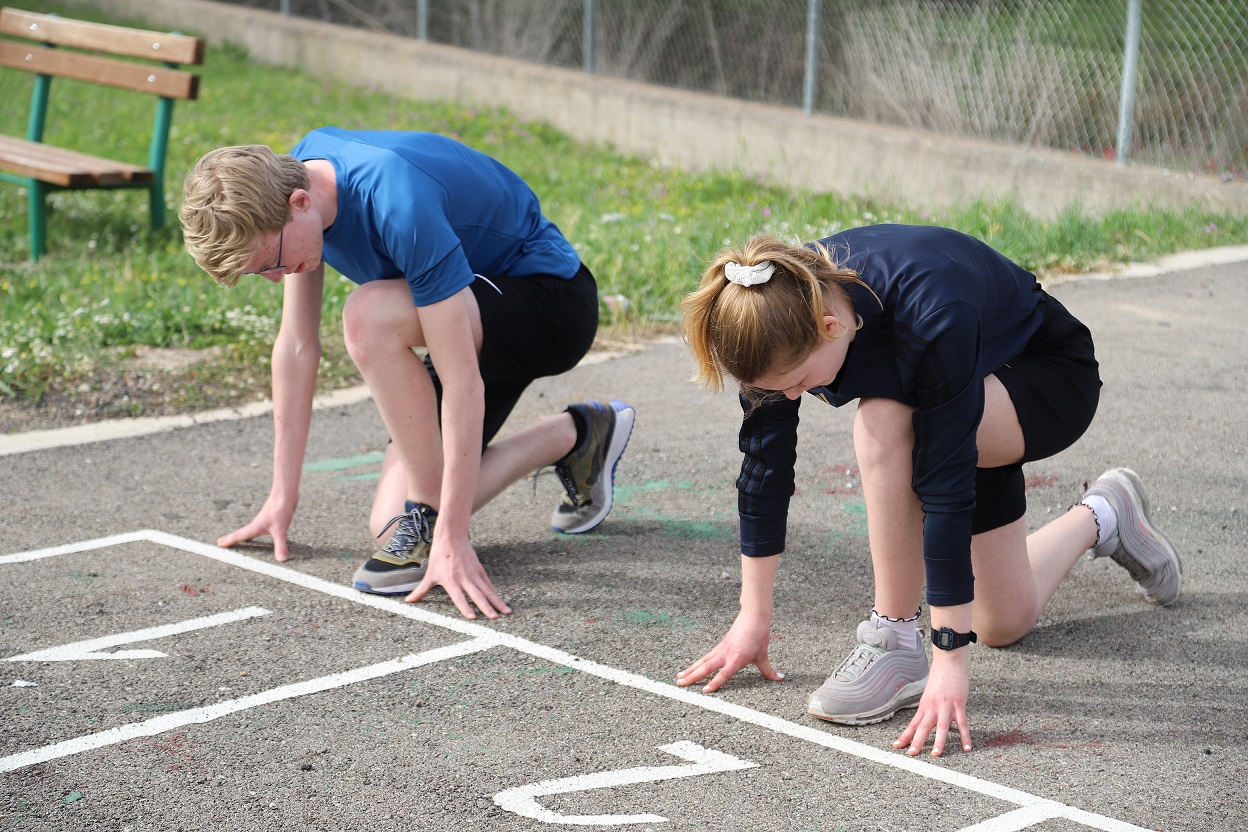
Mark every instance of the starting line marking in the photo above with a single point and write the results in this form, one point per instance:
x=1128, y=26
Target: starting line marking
x=90, y=649
x=1032, y=809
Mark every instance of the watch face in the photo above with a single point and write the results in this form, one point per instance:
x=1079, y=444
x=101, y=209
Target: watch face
x=944, y=639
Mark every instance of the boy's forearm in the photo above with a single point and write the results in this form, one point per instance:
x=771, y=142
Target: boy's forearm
x=463, y=408
x=294, y=386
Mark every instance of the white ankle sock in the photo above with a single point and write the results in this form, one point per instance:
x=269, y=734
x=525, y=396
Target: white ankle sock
x=1106, y=519
x=907, y=629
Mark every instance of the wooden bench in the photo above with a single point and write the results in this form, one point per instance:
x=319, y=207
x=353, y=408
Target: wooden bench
x=101, y=54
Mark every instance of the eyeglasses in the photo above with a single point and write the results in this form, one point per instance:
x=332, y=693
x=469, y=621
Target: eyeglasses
x=280, y=240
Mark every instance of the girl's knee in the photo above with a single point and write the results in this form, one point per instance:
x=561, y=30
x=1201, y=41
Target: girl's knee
x=998, y=638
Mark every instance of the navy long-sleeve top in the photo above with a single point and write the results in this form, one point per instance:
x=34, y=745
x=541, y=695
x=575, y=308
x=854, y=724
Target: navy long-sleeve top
x=953, y=311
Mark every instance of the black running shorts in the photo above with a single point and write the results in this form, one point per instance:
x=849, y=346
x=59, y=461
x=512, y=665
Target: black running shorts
x=1054, y=385
x=531, y=327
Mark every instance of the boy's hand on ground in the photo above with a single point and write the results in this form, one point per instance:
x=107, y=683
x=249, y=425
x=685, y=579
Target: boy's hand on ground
x=273, y=521
x=745, y=644
x=943, y=705
x=456, y=568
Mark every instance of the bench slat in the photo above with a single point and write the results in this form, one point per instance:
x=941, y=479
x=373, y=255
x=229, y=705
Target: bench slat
x=119, y=40
x=66, y=168
x=172, y=83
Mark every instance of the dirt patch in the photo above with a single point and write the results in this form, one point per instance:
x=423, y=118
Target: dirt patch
x=163, y=359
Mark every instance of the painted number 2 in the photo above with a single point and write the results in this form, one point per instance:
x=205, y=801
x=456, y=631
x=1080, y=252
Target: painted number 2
x=523, y=799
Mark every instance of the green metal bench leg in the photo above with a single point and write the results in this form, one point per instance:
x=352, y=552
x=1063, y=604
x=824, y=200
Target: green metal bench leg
x=37, y=218
x=156, y=204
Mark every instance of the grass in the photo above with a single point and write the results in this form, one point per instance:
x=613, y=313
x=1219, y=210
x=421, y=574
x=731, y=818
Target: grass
x=108, y=286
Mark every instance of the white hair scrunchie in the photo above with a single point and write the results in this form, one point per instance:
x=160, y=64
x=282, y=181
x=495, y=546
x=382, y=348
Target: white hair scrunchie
x=749, y=275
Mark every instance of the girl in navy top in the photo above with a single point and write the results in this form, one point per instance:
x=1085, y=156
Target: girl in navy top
x=964, y=369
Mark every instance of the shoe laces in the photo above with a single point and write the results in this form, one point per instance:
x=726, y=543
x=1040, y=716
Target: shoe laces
x=857, y=663
x=413, y=526
x=574, y=497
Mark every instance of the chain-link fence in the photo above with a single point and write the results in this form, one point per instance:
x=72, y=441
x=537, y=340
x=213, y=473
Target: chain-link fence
x=1048, y=73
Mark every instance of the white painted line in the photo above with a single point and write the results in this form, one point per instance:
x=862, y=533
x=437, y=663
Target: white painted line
x=71, y=548
x=89, y=649
x=1023, y=818
x=522, y=799
x=168, y=722
x=811, y=734
x=1018, y=818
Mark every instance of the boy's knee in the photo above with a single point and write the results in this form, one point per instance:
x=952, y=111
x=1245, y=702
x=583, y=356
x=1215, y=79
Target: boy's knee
x=360, y=321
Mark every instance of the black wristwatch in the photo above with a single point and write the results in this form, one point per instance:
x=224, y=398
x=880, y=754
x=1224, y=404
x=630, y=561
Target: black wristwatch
x=947, y=639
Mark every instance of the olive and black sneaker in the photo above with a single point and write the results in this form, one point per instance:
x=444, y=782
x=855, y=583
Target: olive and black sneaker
x=400, y=566
x=588, y=471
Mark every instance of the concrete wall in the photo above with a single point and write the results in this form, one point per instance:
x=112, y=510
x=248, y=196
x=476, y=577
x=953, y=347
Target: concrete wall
x=675, y=127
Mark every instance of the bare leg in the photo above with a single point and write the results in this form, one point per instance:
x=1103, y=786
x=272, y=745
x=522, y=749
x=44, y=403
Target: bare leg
x=1015, y=574
x=504, y=462
x=381, y=328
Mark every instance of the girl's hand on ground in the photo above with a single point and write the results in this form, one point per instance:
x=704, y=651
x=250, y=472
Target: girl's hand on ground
x=745, y=644
x=273, y=520
x=454, y=566
x=943, y=705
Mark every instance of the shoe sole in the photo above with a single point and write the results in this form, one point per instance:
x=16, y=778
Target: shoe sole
x=907, y=697
x=403, y=589
x=625, y=416
x=1144, y=547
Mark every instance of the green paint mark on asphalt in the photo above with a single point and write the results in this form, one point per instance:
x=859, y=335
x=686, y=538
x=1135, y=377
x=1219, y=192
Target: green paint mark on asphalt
x=624, y=492
x=857, y=510
x=347, y=556
x=73, y=797
x=8, y=622
x=687, y=529
x=345, y=462
x=661, y=619
x=547, y=670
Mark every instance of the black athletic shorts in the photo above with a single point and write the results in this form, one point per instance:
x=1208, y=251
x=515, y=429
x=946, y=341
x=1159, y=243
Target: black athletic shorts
x=531, y=327
x=1054, y=385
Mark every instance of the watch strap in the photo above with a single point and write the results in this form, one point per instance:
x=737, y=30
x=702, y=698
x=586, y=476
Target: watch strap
x=947, y=639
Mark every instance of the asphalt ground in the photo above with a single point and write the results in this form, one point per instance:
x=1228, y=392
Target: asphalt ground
x=178, y=686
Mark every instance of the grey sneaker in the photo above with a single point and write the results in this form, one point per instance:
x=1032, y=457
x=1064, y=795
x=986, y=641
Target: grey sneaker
x=400, y=566
x=1138, y=546
x=875, y=682
x=588, y=471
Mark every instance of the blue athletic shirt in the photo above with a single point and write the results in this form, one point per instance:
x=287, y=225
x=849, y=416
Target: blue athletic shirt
x=954, y=310
x=426, y=208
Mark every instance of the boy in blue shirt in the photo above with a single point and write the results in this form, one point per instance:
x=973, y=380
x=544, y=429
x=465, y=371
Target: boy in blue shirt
x=452, y=254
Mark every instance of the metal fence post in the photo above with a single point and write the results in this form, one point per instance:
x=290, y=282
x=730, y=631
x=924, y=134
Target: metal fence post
x=587, y=36
x=1130, y=69
x=285, y=8
x=422, y=19
x=812, y=56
